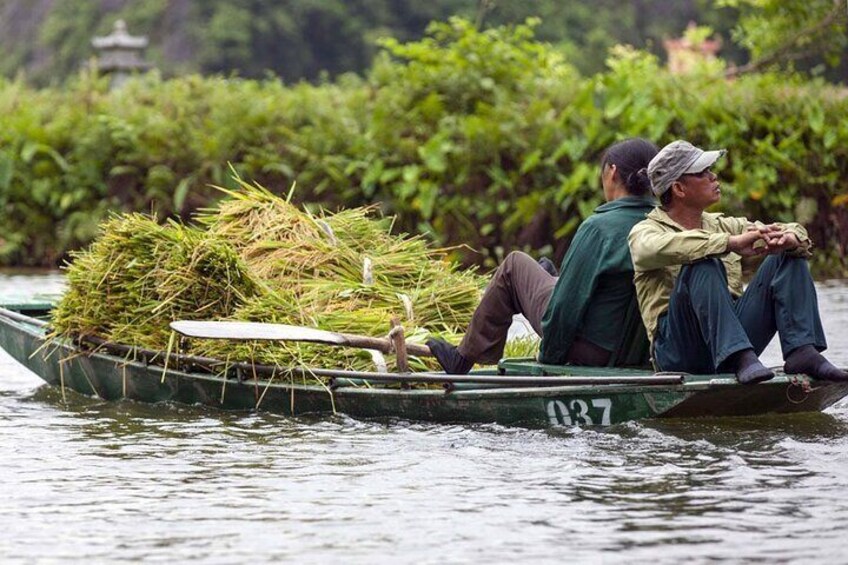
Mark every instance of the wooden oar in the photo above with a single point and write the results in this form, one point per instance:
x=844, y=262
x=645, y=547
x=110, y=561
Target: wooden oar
x=245, y=331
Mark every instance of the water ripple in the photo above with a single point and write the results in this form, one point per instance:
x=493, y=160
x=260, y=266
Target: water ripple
x=87, y=480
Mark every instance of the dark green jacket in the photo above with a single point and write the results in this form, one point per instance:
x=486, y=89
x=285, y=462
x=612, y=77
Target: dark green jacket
x=594, y=297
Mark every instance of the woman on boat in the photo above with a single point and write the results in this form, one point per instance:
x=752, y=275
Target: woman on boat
x=583, y=315
x=688, y=278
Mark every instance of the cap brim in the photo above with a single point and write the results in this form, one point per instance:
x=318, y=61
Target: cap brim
x=707, y=159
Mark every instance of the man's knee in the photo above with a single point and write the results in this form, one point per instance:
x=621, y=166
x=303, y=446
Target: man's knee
x=790, y=272
x=705, y=271
x=787, y=261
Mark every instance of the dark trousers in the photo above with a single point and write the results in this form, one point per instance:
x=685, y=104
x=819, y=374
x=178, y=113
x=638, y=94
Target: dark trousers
x=704, y=325
x=519, y=286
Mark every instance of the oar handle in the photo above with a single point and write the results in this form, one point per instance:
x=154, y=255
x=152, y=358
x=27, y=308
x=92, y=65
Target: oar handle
x=384, y=345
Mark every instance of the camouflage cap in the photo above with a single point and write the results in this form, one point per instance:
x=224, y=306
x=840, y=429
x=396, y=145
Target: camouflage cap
x=676, y=159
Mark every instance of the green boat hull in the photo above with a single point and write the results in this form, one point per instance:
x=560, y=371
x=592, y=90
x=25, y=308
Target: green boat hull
x=113, y=377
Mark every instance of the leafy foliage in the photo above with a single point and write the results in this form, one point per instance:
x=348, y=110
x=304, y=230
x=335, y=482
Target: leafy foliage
x=777, y=32
x=485, y=138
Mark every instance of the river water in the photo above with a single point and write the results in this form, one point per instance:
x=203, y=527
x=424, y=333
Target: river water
x=92, y=481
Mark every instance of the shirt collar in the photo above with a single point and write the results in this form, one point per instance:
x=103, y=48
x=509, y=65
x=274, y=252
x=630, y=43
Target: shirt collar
x=628, y=202
x=659, y=215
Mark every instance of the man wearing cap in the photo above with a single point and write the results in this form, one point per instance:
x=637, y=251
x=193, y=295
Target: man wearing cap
x=688, y=277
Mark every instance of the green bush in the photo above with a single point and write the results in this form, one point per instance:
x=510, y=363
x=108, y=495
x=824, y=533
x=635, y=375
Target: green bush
x=485, y=138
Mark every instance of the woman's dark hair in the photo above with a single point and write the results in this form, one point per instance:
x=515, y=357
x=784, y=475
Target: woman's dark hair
x=631, y=158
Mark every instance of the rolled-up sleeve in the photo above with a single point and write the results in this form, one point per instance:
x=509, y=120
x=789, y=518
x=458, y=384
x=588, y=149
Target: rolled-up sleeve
x=805, y=246
x=652, y=247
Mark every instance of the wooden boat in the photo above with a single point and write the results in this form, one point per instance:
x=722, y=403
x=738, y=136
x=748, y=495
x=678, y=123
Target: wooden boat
x=519, y=392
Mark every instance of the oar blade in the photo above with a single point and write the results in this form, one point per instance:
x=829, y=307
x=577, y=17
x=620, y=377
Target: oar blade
x=245, y=331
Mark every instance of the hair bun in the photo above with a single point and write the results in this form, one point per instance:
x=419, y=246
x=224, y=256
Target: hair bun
x=638, y=182
x=631, y=158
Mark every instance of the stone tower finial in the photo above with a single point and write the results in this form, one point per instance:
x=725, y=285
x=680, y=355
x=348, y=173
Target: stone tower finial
x=120, y=54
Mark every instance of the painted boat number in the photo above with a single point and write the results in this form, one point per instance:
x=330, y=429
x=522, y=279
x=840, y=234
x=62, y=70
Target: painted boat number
x=576, y=412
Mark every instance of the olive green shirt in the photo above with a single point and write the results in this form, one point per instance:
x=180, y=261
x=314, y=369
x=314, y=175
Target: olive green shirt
x=660, y=246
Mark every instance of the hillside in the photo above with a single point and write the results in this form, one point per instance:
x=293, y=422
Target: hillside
x=301, y=39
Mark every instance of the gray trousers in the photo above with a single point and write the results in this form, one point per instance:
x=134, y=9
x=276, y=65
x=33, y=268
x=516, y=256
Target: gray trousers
x=519, y=286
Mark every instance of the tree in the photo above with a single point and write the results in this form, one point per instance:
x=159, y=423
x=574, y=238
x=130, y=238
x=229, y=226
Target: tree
x=779, y=33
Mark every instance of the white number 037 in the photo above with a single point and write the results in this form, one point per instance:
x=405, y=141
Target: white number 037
x=576, y=412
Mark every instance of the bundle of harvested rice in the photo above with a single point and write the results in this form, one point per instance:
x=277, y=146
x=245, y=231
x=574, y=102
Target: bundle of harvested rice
x=257, y=257
x=276, y=239
x=342, y=272
x=138, y=276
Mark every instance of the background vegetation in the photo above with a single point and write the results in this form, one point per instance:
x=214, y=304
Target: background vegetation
x=302, y=39
x=484, y=137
